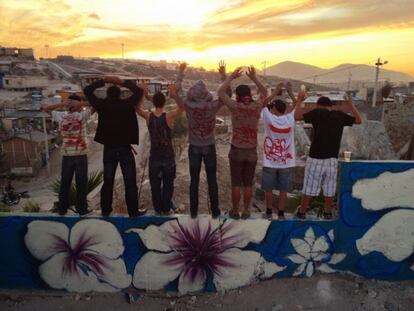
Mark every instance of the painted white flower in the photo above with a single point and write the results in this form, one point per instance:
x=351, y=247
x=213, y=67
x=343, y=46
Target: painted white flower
x=85, y=258
x=190, y=249
x=312, y=251
x=393, y=233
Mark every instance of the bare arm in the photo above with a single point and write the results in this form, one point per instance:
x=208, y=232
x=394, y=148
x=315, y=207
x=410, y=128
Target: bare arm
x=297, y=106
x=354, y=110
x=178, y=83
x=177, y=111
x=290, y=92
x=223, y=76
x=138, y=108
x=49, y=108
x=226, y=84
x=251, y=73
x=89, y=92
x=273, y=95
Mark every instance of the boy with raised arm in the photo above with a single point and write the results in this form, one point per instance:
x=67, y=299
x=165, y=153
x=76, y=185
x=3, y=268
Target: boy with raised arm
x=117, y=130
x=162, y=168
x=245, y=115
x=74, y=149
x=322, y=163
x=201, y=110
x=278, y=147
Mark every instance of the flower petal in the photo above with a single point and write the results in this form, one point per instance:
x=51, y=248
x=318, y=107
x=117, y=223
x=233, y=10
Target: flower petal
x=325, y=268
x=331, y=235
x=46, y=238
x=337, y=258
x=97, y=235
x=155, y=270
x=297, y=259
x=310, y=236
x=301, y=247
x=392, y=235
x=309, y=269
x=320, y=245
x=270, y=269
x=192, y=279
x=75, y=280
x=299, y=270
x=241, y=269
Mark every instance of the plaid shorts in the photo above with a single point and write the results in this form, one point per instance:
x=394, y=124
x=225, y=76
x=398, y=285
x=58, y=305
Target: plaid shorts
x=320, y=173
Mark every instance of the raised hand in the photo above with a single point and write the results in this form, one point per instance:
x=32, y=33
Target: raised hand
x=236, y=73
x=251, y=72
x=172, y=91
x=182, y=67
x=302, y=95
x=222, y=68
x=289, y=87
x=278, y=88
x=348, y=100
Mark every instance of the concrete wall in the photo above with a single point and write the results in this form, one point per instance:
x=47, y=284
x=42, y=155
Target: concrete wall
x=17, y=82
x=373, y=238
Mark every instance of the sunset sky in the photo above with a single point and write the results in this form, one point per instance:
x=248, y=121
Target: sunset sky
x=324, y=33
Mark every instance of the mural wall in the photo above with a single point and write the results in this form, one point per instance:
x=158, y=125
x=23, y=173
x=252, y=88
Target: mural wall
x=374, y=238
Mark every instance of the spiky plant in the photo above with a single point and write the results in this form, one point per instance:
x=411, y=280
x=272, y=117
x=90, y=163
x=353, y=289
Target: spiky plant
x=94, y=180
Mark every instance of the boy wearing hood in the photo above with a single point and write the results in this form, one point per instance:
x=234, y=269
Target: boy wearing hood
x=245, y=115
x=201, y=110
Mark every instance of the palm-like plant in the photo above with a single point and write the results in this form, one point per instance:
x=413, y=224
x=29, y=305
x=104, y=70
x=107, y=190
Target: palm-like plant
x=94, y=180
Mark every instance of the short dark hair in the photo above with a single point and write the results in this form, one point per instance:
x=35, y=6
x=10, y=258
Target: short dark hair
x=113, y=91
x=75, y=97
x=158, y=100
x=243, y=90
x=324, y=101
x=279, y=104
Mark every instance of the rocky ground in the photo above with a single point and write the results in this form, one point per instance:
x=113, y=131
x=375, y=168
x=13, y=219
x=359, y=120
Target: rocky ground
x=327, y=292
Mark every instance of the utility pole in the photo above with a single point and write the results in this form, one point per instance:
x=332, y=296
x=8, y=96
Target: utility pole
x=122, y=50
x=378, y=65
x=46, y=145
x=349, y=80
x=264, y=63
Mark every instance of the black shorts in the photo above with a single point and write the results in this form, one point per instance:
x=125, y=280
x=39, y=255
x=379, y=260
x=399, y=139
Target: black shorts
x=242, y=166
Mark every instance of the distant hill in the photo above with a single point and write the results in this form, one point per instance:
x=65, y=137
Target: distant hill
x=338, y=74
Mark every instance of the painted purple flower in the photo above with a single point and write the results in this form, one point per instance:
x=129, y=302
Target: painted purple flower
x=86, y=257
x=189, y=249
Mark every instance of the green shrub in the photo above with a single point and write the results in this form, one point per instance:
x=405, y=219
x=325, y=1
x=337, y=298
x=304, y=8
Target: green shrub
x=31, y=206
x=180, y=128
x=94, y=180
x=4, y=208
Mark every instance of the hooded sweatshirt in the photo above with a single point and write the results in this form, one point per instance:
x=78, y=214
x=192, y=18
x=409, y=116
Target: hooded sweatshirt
x=201, y=109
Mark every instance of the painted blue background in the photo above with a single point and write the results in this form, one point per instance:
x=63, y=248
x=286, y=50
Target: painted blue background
x=19, y=269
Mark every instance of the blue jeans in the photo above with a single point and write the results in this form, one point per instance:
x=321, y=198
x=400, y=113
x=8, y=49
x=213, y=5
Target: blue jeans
x=78, y=166
x=112, y=155
x=162, y=174
x=196, y=155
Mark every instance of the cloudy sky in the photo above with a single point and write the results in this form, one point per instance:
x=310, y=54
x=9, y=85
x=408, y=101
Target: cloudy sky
x=324, y=33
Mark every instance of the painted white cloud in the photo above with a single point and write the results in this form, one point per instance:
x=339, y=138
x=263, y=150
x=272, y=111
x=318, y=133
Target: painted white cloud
x=392, y=235
x=386, y=190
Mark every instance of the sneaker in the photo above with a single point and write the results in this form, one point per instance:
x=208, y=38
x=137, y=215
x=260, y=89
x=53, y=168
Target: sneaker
x=268, y=214
x=281, y=215
x=327, y=215
x=215, y=214
x=86, y=212
x=300, y=215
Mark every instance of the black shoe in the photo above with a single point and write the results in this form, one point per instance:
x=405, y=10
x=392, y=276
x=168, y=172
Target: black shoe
x=281, y=215
x=193, y=215
x=62, y=213
x=300, y=215
x=86, y=212
x=141, y=212
x=215, y=213
x=327, y=215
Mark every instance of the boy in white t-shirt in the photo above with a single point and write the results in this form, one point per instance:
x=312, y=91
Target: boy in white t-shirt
x=278, y=148
x=74, y=149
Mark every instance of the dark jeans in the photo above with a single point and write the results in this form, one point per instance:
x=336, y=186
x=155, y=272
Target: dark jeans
x=78, y=166
x=196, y=155
x=162, y=172
x=112, y=155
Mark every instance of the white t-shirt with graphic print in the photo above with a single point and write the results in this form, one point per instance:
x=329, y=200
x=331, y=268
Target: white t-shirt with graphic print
x=72, y=127
x=279, y=140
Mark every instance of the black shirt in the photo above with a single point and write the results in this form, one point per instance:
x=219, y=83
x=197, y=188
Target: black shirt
x=161, y=137
x=117, y=121
x=328, y=126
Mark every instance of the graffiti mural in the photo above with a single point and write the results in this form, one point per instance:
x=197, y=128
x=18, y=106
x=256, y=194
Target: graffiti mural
x=373, y=238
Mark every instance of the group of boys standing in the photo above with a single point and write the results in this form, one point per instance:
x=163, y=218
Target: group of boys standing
x=117, y=130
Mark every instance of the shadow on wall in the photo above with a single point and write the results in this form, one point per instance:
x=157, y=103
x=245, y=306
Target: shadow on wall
x=372, y=238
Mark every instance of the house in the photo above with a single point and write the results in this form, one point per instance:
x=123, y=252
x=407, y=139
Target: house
x=24, y=83
x=24, y=153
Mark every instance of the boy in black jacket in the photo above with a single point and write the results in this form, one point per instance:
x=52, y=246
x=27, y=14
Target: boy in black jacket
x=117, y=130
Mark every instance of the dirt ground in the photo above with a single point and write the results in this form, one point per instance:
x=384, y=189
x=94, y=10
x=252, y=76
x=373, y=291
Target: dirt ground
x=328, y=292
